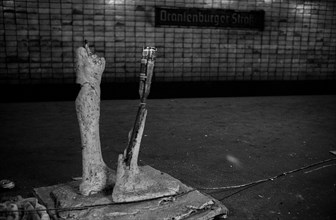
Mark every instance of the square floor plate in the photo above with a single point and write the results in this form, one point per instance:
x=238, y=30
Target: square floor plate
x=189, y=203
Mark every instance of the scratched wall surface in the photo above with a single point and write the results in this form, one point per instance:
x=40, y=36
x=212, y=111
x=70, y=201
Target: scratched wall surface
x=38, y=38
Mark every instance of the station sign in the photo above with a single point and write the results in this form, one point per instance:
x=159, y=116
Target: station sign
x=216, y=18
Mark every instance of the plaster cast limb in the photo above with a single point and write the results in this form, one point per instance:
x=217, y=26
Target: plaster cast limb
x=96, y=176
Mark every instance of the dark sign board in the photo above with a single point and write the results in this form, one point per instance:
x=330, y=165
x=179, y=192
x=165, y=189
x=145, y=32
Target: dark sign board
x=199, y=17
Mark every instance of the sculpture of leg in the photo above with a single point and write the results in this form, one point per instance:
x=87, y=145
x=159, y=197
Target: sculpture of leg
x=128, y=173
x=134, y=183
x=96, y=176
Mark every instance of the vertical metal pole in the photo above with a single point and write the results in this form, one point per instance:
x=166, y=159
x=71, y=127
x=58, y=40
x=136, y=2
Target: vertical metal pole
x=146, y=73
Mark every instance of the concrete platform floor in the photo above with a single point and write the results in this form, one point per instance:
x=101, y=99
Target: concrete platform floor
x=204, y=142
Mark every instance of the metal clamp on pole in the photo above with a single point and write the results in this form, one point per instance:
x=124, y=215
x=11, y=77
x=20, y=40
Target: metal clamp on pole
x=146, y=73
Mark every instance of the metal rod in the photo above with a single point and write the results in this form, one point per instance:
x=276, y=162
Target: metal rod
x=146, y=72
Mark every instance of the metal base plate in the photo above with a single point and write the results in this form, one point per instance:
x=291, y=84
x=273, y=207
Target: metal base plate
x=187, y=204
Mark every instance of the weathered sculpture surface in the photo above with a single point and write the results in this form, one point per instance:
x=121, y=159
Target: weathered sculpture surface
x=89, y=69
x=133, y=182
x=147, y=192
